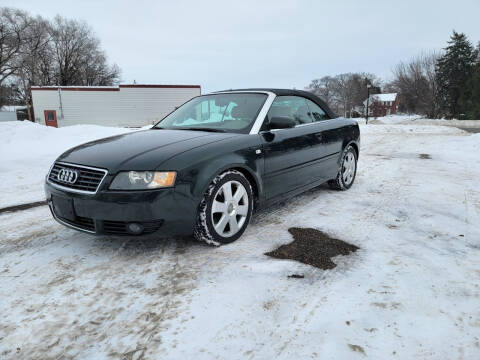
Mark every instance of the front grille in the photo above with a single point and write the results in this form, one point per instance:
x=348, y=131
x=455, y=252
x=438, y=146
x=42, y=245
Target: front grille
x=80, y=222
x=88, y=180
x=120, y=227
x=114, y=227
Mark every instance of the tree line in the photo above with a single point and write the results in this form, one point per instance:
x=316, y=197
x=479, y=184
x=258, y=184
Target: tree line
x=38, y=51
x=61, y=51
x=345, y=92
x=437, y=84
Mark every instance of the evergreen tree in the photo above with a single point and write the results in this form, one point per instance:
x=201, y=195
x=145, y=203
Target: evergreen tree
x=470, y=99
x=453, y=71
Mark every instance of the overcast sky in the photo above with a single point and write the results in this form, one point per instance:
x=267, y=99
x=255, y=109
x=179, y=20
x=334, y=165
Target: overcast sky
x=232, y=44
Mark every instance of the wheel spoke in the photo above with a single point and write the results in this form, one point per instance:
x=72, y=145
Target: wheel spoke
x=219, y=207
x=242, y=210
x=227, y=191
x=233, y=224
x=239, y=194
x=220, y=226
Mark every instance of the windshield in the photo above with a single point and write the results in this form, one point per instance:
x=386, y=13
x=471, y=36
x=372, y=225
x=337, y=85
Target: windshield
x=234, y=112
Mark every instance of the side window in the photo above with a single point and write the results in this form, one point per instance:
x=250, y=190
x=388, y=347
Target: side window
x=316, y=111
x=294, y=107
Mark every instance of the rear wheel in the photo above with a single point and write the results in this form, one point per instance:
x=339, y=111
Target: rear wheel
x=225, y=210
x=347, y=171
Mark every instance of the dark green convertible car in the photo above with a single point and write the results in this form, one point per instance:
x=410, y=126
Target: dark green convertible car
x=205, y=167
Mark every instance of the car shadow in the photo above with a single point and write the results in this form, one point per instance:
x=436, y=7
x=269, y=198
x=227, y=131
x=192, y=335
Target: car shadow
x=149, y=244
x=262, y=214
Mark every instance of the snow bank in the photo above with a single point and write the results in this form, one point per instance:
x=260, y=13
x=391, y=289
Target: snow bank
x=394, y=119
x=410, y=129
x=28, y=150
x=420, y=120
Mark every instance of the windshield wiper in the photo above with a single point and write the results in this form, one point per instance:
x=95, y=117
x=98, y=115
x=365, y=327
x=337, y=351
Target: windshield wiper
x=201, y=129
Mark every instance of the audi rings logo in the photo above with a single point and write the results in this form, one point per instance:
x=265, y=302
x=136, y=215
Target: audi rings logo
x=68, y=176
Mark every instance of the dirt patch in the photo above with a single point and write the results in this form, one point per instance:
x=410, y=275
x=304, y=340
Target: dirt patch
x=312, y=247
x=22, y=207
x=296, y=276
x=424, y=156
x=357, y=348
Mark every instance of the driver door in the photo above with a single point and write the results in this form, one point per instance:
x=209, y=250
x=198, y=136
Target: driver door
x=291, y=155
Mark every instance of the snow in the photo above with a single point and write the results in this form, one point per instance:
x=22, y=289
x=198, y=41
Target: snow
x=11, y=108
x=29, y=149
x=411, y=291
x=73, y=87
x=381, y=98
x=420, y=120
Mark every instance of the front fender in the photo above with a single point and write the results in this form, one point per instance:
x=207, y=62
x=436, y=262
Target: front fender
x=252, y=176
x=197, y=168
x=251, y=166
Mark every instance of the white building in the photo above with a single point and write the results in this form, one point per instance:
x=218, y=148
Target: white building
x=9, y=113
x=124, y=105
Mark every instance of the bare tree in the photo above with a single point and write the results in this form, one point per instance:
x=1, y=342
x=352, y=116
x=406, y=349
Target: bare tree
x=33, y=61
x=13, y=24
x=35, y=51
x=343, y=92
x=79, y=59
x=323, y=88
x=415, y=82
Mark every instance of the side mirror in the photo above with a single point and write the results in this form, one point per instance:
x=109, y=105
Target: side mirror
x=281, y=122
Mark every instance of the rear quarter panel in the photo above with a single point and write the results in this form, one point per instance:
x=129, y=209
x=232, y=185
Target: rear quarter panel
x=351, y=134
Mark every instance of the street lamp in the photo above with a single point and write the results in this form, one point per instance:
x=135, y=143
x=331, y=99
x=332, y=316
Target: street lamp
x=368, y=99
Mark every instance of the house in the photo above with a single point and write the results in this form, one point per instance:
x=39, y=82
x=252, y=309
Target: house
x=381, y=104
x=124, y=105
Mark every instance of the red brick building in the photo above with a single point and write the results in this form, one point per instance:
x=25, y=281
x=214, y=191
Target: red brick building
x=382, y=104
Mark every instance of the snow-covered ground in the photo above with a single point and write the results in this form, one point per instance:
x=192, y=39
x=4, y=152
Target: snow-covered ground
x=421, y=120
x=411, y=291
x=28, y=150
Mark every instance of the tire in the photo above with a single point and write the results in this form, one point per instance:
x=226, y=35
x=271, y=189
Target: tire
x=347, y=172
x=222, y=217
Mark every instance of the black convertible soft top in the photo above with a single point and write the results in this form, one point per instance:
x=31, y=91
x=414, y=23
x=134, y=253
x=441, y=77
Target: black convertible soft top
x=291, y=92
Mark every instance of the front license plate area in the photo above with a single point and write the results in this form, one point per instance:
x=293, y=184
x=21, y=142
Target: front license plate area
x=63, y=207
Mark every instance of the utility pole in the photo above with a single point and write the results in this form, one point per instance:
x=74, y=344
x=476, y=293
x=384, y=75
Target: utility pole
x=368, y=99
x=60, y=101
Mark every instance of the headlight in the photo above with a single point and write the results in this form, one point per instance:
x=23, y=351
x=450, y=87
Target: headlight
x=143, y=180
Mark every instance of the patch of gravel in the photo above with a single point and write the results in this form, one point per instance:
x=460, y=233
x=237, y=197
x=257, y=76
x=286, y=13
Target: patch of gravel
x=424, y=156
x=22, y=206
x=312, y=247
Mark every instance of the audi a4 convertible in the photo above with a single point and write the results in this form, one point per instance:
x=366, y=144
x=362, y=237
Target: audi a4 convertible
x=205, y=167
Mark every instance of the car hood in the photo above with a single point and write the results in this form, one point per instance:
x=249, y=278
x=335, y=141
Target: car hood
x=140, y=150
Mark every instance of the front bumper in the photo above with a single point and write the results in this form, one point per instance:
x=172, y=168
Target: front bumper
x=164, y=212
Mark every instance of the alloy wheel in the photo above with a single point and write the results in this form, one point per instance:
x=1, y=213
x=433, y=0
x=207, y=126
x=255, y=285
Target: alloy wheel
x=349, y=167
x=229, y=208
